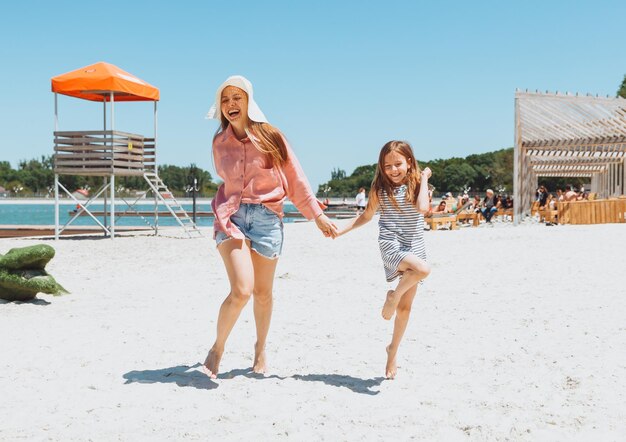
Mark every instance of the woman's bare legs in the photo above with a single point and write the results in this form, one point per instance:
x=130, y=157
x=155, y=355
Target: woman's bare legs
x=237, y=258
x=413, y=270
x=264, y=269
x=403, y=311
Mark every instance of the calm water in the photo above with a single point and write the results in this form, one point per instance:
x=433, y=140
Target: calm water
x=43, y=214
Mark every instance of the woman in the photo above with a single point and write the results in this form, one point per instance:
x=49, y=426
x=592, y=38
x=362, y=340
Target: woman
x=259, y=170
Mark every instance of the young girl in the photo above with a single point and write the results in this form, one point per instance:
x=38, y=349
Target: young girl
x=400, y=192
x=259, y=170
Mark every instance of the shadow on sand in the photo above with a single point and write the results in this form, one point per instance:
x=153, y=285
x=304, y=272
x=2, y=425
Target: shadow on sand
x=357, y=385
x=181, y=375
x=34, y=301
x=188, y=376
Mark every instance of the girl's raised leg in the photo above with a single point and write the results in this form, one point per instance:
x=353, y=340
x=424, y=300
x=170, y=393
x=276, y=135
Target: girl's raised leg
x=413, y=270
x=237, y=258
x=403, y=311
x=264, y=269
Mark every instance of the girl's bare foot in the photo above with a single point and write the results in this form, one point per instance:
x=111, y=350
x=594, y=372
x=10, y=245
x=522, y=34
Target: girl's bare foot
x=391, y=304
x=392, y=369
x=259, y=362
x=212, y=363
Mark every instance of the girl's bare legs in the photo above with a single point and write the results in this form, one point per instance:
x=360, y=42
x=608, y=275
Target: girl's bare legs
x=237, y=258
x=264, y=269
x=403, y=311
x=413, y=270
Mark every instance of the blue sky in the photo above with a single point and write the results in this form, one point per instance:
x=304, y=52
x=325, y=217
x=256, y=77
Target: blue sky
x=338, y=78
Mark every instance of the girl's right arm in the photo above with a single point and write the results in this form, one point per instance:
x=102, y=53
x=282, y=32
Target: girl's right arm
x=423, y=202
x=360, y=220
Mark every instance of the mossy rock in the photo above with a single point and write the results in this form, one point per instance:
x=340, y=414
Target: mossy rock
x=23, y=274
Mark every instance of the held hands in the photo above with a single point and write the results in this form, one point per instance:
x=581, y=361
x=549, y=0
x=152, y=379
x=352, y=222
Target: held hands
x=328, y=228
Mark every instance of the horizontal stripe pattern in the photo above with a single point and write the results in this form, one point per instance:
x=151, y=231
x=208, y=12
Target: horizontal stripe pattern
x=401, y=232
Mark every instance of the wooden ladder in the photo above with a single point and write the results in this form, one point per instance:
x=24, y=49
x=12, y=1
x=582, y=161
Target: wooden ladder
x=173, y=206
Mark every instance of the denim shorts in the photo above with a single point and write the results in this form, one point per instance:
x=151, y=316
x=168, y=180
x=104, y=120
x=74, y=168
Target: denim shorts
x=262, y=227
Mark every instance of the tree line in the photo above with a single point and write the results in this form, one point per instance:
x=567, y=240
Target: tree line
x=475, y=174
x=36, y=178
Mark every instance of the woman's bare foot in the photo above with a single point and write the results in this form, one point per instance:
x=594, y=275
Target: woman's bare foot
x=391, y=304
x=392, y=369
x=259, y=361
x=212, y=363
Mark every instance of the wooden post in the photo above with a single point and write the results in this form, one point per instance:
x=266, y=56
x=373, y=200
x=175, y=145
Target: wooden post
x=156, y=169
x=56, y=177
x=517, y=176
x=104, y=210
x=112, y=206
x=56, y=206
x=112, y=170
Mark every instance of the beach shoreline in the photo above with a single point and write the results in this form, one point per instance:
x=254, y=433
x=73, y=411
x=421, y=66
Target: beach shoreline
x=71, y=202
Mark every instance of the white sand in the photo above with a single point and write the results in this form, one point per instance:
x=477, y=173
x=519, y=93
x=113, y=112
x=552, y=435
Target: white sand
x=518, y=334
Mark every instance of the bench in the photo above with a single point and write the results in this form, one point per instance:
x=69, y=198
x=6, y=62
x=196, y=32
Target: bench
x=436, y=220
x=504, y=213
x=472, y=216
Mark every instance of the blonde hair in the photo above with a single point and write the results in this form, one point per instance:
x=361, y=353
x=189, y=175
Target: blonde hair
x=268, y=139
x=382, y=183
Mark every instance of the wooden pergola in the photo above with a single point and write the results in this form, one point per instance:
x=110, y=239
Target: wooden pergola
x=565, y=135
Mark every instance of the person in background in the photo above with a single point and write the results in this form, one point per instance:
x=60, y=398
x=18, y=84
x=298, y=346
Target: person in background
x=360, y=200
x=463, y=199
x=489, y=206
x=475, y=206
x=509, y=202
x=542, y=197
x=441, y=208
x=450, y=202
x=559, y=194
x=569, y=195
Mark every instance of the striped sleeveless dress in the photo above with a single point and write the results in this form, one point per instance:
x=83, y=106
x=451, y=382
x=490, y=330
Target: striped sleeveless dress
x=401, y=232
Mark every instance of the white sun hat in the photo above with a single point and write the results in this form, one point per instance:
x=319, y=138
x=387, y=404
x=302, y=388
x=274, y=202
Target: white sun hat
x=254, y=111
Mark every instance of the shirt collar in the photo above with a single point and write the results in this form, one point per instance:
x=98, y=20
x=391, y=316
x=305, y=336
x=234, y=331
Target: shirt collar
x=228, y=132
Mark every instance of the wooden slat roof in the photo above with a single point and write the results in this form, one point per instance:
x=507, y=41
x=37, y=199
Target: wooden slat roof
x=566, y=120
x=571, y=135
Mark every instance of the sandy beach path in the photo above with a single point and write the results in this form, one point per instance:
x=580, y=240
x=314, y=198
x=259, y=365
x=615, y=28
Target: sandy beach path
x=518, y=334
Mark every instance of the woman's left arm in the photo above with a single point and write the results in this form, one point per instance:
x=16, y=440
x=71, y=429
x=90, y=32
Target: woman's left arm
x=423, y=203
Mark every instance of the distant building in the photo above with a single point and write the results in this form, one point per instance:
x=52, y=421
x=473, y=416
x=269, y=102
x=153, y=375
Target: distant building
x=3, y=192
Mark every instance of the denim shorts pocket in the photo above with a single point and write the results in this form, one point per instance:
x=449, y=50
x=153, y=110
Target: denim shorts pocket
x=266, y=234
x=270, y=214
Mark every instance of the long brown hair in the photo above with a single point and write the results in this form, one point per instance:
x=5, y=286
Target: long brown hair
x=382, y=182
x=268, y=139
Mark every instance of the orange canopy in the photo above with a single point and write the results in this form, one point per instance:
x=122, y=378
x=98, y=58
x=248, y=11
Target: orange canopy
x=97, y=81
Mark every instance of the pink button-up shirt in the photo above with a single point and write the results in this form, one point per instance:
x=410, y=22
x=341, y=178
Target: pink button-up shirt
x=250, y=178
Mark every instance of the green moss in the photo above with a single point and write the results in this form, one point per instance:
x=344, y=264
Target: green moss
x=31, y=257
x=22, y=273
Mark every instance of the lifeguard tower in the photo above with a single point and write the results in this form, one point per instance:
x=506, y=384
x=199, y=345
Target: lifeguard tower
x=110, y=153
